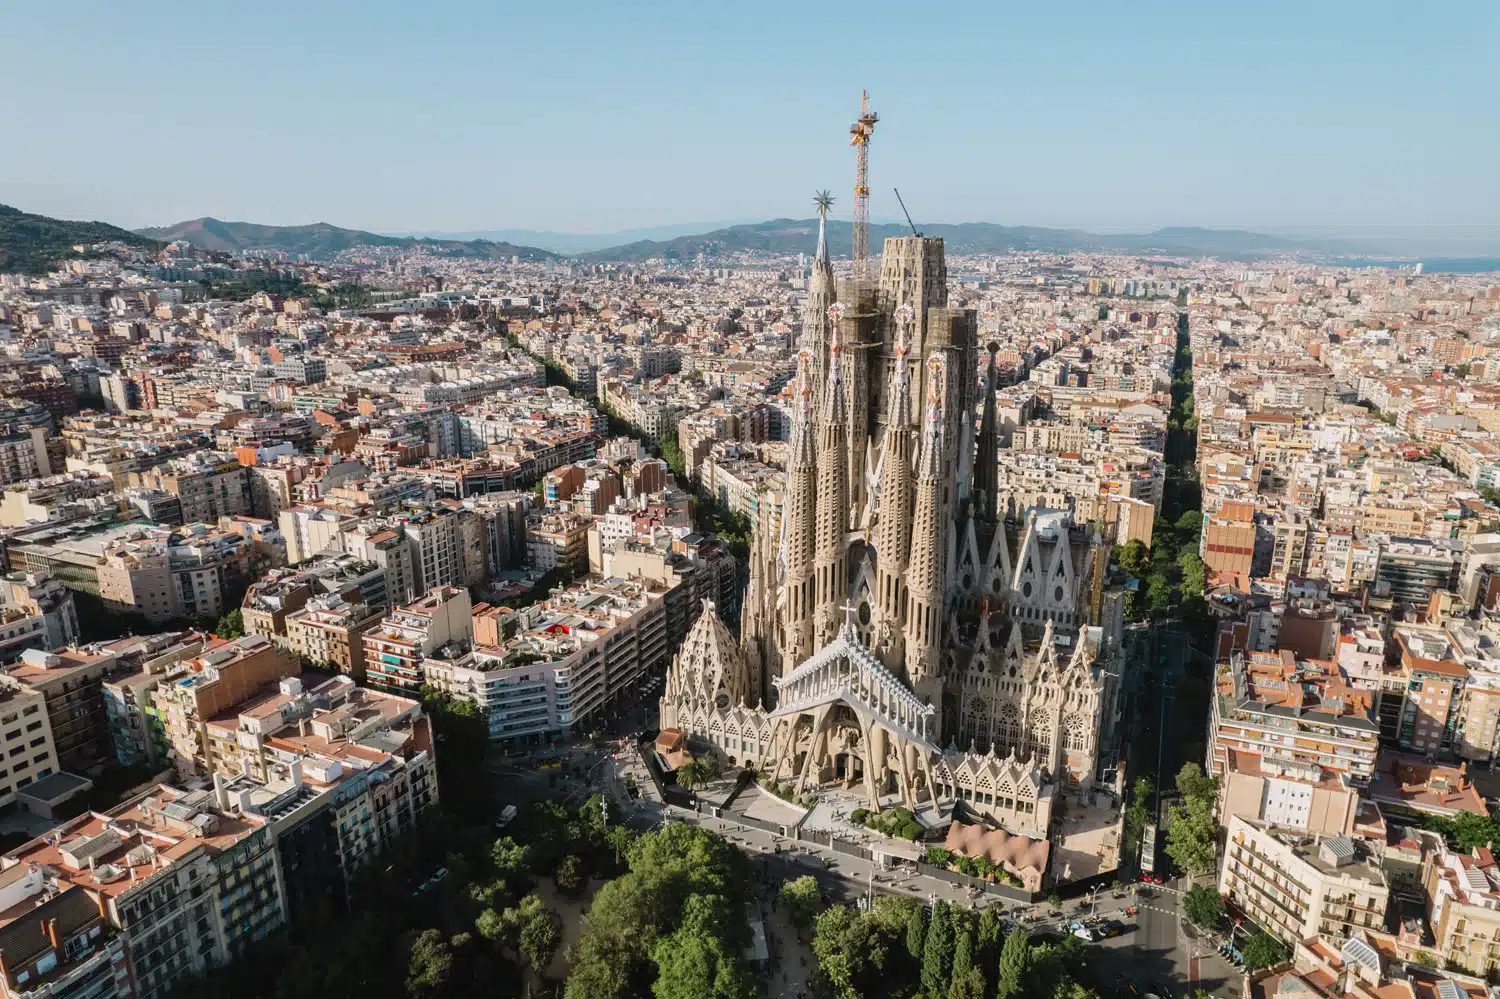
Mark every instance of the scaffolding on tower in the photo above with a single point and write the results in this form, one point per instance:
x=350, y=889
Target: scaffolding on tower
x=860, y=134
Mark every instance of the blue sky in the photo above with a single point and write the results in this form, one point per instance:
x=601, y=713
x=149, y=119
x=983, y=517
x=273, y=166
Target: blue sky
x=589, y=117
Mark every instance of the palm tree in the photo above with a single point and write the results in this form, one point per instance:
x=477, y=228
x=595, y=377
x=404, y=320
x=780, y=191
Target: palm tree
x=692, y=774
x=824, y=201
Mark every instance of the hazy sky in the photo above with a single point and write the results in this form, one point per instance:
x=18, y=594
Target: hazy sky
x=589, y=117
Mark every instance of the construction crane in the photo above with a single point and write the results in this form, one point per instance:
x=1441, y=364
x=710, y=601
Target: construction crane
x=902, y=202
x=860, y=134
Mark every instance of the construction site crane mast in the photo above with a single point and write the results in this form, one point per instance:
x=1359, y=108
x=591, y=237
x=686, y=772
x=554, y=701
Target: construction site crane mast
x=860, y=134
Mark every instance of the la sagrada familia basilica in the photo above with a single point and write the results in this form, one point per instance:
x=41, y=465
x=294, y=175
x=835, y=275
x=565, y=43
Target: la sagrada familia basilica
x=901, y=636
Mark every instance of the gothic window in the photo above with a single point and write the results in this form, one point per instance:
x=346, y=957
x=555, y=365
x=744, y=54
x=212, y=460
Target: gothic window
x=1075, y=734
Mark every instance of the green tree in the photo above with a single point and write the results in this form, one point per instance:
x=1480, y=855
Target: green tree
x=803, y=901
x=853, y=950
x=937, y=951
x=1015, y=963
x=1133, y=557
x=1204, y=907
x=539, y=938
x=1158, y=596
x=671, y=453
x=429, y=965
x=631, y=913
x=963, y=965
x=571, y=877
x=619, y=838
x=1192, y=782
x=987, y=939
x=1139, y=812
x=916, y=934
x=1189, y=526
x=698, y=960
x=1263, y=950
x=1194, y=574
x=692, y=774
x=1072, y=990
x=1192, y=828
x=231, y=625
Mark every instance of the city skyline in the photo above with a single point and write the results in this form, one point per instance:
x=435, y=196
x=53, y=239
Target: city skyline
x=591, y=120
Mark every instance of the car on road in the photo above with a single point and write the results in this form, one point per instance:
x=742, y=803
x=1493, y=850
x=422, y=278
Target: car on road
x=1082, y=931
x=1110, y=928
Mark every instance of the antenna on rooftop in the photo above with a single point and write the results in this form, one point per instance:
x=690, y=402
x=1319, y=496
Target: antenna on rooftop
x=906, y=213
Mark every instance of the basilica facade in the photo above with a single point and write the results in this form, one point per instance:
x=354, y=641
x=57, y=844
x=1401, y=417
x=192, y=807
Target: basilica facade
x=904, y=632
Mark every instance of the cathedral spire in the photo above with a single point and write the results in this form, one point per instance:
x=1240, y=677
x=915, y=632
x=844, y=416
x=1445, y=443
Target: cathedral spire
x=926, y=567
x=800, y=509
x=986, y=465
x=833, y=492
x=815, y=330
x=758, y=613
x=893, y=528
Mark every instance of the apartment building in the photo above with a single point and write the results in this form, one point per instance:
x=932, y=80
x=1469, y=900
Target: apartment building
x=568, y=660
x=271, y=598
x=209, y=485
x=558, y=540
x=28, y=752
x=71, y=683
x=56, y=942
x=1422, y=696
x=330, y=629
x=136, y=729
x=190, y=878
x=44, y=600
x=311, y=529
x=1463, y=904
x=225, y=674
x=397, y=647
x=1295, y=885
x=387, y=548
x=437, y=555
x=1291, y=742
x=161, y=573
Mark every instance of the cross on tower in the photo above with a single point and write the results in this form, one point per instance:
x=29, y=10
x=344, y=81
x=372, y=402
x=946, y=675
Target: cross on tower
x=849, y=610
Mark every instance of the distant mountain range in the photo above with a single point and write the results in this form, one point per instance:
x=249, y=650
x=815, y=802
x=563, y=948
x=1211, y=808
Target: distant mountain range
x=321, y=240
x=32, y=243
x=578, y=242
x=800, y=235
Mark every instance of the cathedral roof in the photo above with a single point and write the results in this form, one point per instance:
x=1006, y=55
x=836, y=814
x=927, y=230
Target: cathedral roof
x=708, y=664
x=844, y=670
